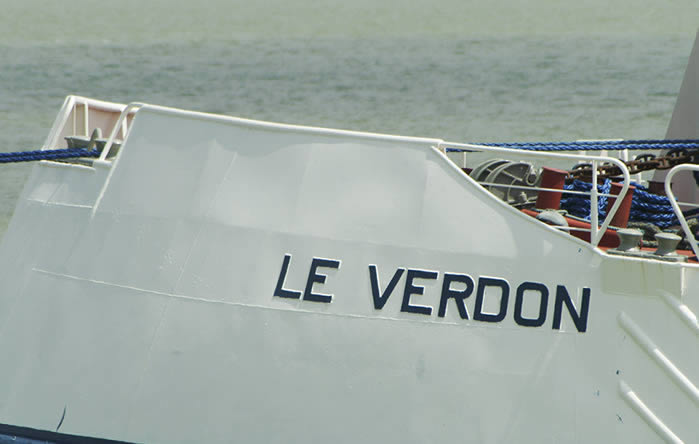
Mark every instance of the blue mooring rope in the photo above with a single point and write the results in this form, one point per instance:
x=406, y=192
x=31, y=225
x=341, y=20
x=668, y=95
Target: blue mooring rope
x=593, y=145
x=645, y=206
x=29, y=156
x=579, y=205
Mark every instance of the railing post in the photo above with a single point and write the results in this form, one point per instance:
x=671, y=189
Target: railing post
x=118, y=126
x=594, y=216
x=676, y=207
x=86, y=122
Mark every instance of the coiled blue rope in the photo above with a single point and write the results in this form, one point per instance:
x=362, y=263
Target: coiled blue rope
x=29, y=156
x=645, y=206
x=579, y=205
x=594, y=145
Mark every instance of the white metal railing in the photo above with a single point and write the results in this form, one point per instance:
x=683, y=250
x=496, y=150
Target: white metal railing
x=676, y=205
x=121, y=125
x=58, y=124
x=596, y=230
x=74, y=119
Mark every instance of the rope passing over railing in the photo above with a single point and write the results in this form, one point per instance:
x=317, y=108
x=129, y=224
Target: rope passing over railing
x=595, y=145
x=30, y=156
x=676, y=152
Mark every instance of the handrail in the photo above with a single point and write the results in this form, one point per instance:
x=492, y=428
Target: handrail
x=121, y=125
x=61, y=120
x=596, y=232
x=69, y=109
x=527, y=187
x=594, y=215
x=675, y=205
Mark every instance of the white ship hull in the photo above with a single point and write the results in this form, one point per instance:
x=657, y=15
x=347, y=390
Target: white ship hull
x=229, y=280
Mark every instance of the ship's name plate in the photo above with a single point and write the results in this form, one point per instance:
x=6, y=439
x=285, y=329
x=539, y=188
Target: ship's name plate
x=455, y=289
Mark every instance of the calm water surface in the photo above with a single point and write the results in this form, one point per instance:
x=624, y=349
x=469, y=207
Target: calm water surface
x=456, y=70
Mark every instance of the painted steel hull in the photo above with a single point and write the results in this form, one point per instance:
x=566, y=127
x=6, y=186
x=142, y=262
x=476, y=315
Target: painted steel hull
x=151, y=299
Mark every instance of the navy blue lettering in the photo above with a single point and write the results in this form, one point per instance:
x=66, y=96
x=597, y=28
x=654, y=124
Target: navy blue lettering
x=280, y=290
x=458, y=295
x=483, y=283
x=579, y=318
x=543, y=304
x=314, y=277
x=411, y=289
x=381, y=299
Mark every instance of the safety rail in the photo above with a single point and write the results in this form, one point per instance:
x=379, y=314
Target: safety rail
x=68, y=110
x=121, y=124
x=596, y=230
x=77, y=109
x=676, y=205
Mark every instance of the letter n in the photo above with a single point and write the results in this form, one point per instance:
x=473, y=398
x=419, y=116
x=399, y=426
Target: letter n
x=579, y=318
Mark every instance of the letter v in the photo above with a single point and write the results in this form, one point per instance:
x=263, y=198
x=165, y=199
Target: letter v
x=381, y=299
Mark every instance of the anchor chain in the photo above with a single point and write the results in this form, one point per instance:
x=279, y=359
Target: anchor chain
x=644, y=162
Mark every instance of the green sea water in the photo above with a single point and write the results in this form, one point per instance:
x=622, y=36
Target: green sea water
x=462, y=71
